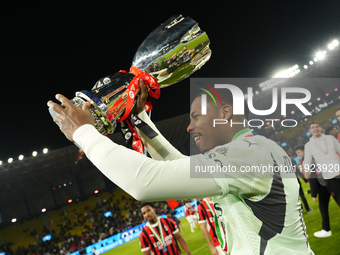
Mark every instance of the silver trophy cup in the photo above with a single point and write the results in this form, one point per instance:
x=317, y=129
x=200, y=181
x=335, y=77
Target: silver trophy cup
x=171, y=53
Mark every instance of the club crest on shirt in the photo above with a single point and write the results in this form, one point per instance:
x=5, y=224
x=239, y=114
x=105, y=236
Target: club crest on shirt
x=222, y=150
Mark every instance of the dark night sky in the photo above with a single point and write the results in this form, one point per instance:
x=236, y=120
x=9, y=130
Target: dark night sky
x=49, y=49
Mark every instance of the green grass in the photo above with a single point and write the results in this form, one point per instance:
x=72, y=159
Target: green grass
x=329, y=245
x=325, y=246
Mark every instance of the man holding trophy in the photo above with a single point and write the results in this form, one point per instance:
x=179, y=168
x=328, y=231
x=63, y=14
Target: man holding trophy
x=253, y=215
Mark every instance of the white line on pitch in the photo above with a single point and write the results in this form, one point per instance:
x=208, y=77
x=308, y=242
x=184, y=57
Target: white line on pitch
x=199, y=249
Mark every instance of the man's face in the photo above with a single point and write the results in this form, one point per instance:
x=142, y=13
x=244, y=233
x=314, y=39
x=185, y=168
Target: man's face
x=337, y=115
x=300, y=153
x=315, y=129
x=201, y=127
x=149, y=214
x=334, y=132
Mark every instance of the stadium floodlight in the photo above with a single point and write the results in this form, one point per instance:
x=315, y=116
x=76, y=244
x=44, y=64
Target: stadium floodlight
x=331, y=46
x=34, y=153
x=335, y=42
x=10, y=160
x=14, y=220
x=311, y=62
x=256, y=92
x=0, y=162
x=315, y=60
x=45, y=150
x=305, y=66
x=285, y=73
x=43, y=210
x=280, y=77
x=320, y=55
x=21, y=157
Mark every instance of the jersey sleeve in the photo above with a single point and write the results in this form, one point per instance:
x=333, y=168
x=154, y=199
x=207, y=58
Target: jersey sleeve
x=144, y=242
x=158, y=147
x=144, y=178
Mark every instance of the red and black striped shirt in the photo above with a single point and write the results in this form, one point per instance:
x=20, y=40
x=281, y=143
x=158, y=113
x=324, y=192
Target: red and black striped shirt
x=149, y=241
x=205, y=215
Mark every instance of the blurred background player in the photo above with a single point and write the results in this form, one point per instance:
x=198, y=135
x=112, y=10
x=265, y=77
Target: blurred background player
x=206, y=215
x=331, y=130
x=159, y=234
x=190, y=215
x=318, y=186
x=172, y=215
x=325, y=150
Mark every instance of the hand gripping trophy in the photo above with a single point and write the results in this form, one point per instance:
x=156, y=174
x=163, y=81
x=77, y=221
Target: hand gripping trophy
x=172, y=52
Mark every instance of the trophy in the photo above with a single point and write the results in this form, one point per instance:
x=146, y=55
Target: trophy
x=171, y=53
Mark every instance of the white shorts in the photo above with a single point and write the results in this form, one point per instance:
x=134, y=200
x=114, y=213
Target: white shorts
x=190, y=218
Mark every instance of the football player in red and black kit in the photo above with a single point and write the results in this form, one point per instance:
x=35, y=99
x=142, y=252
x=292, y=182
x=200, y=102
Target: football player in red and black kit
x=206, y=213
x=158, y=235
x=189, y=211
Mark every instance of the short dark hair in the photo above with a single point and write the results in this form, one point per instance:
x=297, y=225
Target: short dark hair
x=313, y=122
x=299, y=147
x=328, y=130
x=226, y=98
x=145, y=204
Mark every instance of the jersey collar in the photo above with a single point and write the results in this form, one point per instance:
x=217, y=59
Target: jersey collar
x=243, y=133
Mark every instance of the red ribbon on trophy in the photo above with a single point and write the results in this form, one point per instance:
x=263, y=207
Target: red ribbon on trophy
x=130, y=121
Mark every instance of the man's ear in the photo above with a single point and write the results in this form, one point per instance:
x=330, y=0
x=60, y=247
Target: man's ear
x=227, y=111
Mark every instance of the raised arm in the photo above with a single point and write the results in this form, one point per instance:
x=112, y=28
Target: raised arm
x=142, y=177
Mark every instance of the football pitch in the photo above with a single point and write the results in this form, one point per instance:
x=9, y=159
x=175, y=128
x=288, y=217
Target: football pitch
x=198, y=245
